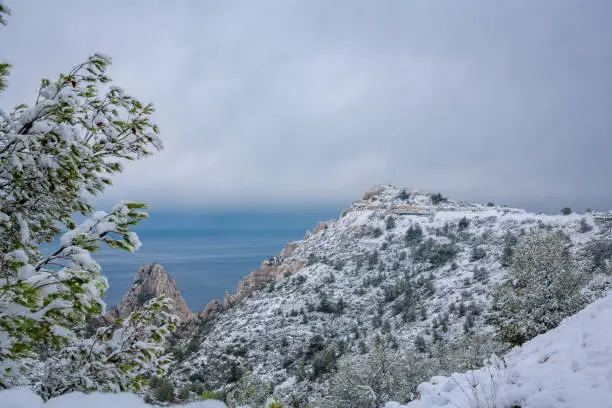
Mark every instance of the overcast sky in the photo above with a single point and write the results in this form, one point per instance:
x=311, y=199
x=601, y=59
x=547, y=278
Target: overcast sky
x=293, y=103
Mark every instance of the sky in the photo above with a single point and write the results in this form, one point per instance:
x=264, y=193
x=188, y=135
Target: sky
x=298, y=104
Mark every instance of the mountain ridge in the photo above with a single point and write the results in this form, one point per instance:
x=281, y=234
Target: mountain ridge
x=409, y=268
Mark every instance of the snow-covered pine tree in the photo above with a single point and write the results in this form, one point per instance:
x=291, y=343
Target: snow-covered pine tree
x=117, y=358
x=542, y=288
x=53, y=155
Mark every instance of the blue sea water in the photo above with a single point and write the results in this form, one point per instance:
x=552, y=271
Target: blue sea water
x=207, y=253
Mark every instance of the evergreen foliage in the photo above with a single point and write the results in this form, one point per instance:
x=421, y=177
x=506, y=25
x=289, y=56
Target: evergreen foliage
x=55, y=155
x=385, y=375
x=117, y=358
x=250, y=390
x=542, y=288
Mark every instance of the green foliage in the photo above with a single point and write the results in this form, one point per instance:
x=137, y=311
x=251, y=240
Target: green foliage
x=542, y=288
x=324, y=362
x=164, y=390
x=438, y=198
x=404, y=195
x=463, y=224
x=600, y=253
x=275, y=404
x=53, y=156
x=435, y=253
x=478, y=253
x=510, y=240
x=390, y=223
x=414, y=235
x=117, y=358
x=385, y=375
x=566, y=211
x=249, y=390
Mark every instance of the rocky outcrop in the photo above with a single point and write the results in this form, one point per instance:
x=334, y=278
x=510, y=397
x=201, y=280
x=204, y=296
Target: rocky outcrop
x=150, y=281
x=269, y=271
x=265, y=274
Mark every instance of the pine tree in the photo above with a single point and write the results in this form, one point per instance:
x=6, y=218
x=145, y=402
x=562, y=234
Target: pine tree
x=53, y=156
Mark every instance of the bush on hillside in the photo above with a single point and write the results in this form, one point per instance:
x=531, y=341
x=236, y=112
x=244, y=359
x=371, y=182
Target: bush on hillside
x=542, y=288
x=385, y=375
x=435, y=253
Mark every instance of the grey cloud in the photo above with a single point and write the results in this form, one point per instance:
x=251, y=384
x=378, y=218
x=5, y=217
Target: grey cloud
x=306, y=102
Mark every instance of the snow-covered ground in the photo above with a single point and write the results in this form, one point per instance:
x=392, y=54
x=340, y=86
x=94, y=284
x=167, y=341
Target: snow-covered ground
x=570, y=366
x=25, y=398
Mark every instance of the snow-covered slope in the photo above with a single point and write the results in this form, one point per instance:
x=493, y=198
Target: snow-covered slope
x=395, y=266
x=25, y=398
x=567, y=367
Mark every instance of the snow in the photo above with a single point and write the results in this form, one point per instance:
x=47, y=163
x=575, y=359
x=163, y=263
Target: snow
x=104, y=227
x=570, y=366
x=25, y=398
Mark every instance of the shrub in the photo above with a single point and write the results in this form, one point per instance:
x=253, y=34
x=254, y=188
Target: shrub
x=419, y=344
x=542, y=288
x=404, y=195
x=600, y=253
x=480, y=274
x=510, y=240
x=437, y=198
x=324, y=362
x=566, y=211
x=414, y=235
x=390, y=223
x=163, y=390
x=435, y=253
x=249, y=390
x=584, y=226
x=463, y=223
x=384, y=376
x=478, y=253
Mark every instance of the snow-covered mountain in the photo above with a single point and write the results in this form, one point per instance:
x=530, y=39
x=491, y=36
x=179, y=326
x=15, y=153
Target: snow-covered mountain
x=408, y=268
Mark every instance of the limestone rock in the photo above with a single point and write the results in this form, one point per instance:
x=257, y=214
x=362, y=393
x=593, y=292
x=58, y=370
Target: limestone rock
x=152, y=281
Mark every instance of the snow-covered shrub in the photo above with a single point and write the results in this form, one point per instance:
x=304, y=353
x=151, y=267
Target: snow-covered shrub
x=385, y=375
x=542, y=288
x=249, y=391
x=413, y=236
x=117, y=358
x=434, y=252
x=600, y=253
x=437, y=198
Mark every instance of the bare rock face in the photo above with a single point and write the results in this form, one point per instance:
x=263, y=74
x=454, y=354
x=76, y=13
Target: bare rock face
x=270, y=270
x=289, y=249
x=152, y=281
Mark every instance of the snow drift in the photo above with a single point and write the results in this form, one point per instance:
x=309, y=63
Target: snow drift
x=570, y=366
x=24, y=398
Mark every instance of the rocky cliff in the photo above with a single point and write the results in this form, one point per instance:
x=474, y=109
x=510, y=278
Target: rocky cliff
x=151, y=281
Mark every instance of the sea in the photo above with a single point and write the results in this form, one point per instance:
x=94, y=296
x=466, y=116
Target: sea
x=207, y=253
